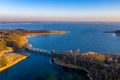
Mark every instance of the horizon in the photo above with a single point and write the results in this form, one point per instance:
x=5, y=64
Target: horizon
x=60, y=10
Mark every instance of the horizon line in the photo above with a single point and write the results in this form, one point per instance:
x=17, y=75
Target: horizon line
x=24, y=21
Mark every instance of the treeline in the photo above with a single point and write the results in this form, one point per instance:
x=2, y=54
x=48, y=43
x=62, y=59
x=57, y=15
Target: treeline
x=72, y=57
x=22, y=31
x=100, y=66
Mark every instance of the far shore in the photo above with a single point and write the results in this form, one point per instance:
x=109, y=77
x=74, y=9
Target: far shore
x=51, y=32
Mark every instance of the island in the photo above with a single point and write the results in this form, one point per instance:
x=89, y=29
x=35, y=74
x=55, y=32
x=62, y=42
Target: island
x=98, y=66
x=116, y=32
x=12, y=43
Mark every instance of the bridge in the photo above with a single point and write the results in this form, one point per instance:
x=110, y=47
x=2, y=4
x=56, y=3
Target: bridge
x=38, y=50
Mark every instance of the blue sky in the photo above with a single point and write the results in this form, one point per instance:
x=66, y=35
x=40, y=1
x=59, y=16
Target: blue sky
x=60, y=10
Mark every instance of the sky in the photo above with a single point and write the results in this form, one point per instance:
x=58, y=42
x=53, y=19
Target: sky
x=60, y=10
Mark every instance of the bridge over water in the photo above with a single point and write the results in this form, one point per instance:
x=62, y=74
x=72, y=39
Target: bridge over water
x=38, y=50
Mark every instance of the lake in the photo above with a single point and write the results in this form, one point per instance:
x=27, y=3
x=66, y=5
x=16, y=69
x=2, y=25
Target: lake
x=82, y=35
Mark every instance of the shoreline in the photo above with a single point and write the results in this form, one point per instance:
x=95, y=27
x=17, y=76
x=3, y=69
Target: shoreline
x=15, y=62
x=51, y=32
x=25, y=37
x=96, y=65
x=73, y=67
x=25, y=41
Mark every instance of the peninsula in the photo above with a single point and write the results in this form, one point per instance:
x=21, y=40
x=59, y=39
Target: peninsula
x=12, y=41
x=98, y=66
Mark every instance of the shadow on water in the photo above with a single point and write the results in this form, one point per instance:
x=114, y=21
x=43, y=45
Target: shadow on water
x=71, y=74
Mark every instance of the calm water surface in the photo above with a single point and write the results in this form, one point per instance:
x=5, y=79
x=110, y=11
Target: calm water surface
x=86, y=36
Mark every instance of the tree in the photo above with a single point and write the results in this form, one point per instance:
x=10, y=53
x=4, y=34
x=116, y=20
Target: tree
x=70, y=53
x=78, y=50
x=13, y=44
x=94, y=57
x=53, y=52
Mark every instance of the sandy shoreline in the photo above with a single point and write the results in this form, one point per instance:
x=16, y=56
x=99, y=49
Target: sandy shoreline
x=51, y=32
x=25, y=41
x=25, y=38
x=13, y=63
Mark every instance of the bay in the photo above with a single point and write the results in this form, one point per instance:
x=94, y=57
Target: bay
x=83, y=35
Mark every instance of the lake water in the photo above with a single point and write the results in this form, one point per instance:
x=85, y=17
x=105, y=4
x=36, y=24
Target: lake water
x=86, y=36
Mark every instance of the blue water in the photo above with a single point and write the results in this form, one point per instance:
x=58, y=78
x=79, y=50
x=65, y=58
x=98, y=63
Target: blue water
x=86, y=36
